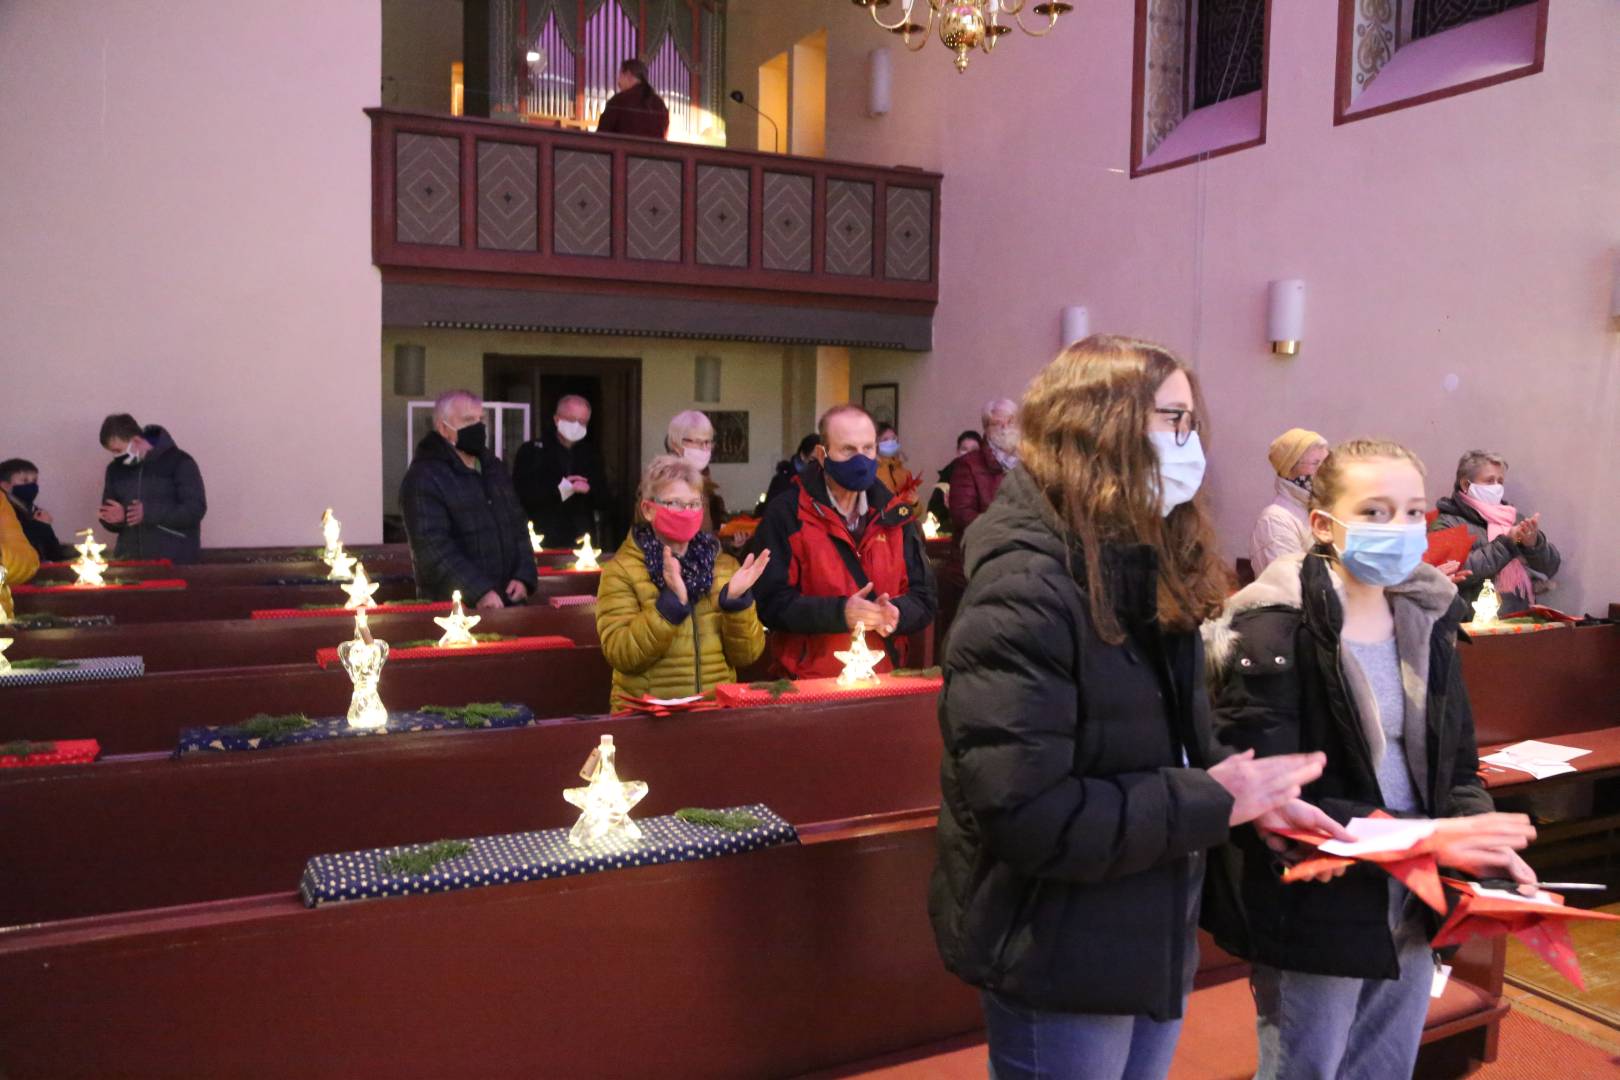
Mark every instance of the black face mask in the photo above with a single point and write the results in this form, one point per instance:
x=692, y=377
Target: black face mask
x=25, y=493
x=472, y=439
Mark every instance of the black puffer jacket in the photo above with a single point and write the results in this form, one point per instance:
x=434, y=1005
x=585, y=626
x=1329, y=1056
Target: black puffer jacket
x=1281, y=686
x=1068, y=817
x=169, y=487
x=465, y=526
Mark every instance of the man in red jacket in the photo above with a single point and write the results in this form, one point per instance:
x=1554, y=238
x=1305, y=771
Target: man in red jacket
x=845, y=552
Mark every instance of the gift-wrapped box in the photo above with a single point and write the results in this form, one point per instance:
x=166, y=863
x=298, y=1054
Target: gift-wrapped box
x=328, y=657
x=88, y=669
x=227, y=738
x=338, y=611
x=55, y=752
x=155, y=585
x=535, y=856
x=581, y=600
x=737, y=695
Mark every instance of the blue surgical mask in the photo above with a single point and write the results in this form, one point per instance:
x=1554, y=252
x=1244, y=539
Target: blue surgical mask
x=1382, y=554
x=889, y=447
x=858, y=473
x=1181, y=468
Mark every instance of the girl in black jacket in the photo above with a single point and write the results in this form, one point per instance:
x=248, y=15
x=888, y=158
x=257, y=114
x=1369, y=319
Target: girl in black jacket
x=1081, y=782
x=1350, y=650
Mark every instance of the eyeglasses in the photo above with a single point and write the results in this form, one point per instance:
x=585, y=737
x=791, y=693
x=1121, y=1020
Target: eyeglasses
x=677, y=504
x=698, y=444
x=1184, y=421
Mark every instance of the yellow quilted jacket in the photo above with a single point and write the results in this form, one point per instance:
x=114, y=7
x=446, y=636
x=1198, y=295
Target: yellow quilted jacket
x=17, y=555
x=651, y=657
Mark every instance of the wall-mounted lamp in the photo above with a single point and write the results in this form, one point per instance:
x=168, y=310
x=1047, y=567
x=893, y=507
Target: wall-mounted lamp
x=706, y=380
x=1076, y=326
x=880, y=90
x=1614, y=297
x=1285, y=316
x=410, y=370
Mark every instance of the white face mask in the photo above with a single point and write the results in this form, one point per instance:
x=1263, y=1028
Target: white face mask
x=1004, y=439
x=1181, y=468
x=572, y=430
x=1488, y=493
x=697, y=456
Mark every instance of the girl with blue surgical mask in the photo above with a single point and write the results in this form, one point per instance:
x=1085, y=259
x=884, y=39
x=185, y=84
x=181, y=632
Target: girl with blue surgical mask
x=1349, y=649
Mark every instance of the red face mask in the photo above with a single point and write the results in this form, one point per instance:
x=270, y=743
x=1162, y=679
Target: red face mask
x=677, y=526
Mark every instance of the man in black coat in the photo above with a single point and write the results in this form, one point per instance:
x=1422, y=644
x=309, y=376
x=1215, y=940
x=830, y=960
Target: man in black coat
x=153, y=496
x=560, y=480
x=461, y=514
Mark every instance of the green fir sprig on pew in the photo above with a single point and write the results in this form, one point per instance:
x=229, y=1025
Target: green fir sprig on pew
x=728, y=820
x=478, y=714
x=422, y=643
x=265, y=726
x=775, y=689
x=40, y=663
x=918, y=672
x=423, y=857
x=25, y=748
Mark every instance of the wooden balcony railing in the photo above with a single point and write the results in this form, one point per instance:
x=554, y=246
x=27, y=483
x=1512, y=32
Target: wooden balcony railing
x=483, y=198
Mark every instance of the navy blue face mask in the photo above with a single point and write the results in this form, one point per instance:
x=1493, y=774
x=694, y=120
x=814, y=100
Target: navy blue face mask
x=858, y=473
x=25, y=493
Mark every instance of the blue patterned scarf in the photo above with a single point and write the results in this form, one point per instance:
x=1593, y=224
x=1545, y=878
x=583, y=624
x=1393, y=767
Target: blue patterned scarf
x=697, y=565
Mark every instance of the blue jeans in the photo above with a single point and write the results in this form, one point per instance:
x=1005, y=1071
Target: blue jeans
x=1031, y=1044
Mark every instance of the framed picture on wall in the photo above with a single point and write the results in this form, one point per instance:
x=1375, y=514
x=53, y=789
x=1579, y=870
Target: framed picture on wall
x=882, y=400
x=730, y=437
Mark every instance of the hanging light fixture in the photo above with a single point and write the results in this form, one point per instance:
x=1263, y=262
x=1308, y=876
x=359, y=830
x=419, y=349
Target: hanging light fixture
x=965, y=25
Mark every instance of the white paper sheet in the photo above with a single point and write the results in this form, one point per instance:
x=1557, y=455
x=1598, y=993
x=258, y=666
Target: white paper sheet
x=1379, y=834
x=1513, y=894
x=1539, y=759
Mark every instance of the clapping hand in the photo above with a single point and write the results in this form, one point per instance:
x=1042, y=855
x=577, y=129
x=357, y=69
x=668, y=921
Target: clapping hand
x=1454, y=571
x=672, y=575
x=748, y=573
x=516, y=591
x=580, y=485
x=490, y=601
x=1300, y=816
x=1527, y=533
x=861, y=611
x=41, y=516
x=1259, y=786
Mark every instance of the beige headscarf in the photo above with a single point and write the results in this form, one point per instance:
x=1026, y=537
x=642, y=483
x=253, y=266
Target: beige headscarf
x=1289, y=447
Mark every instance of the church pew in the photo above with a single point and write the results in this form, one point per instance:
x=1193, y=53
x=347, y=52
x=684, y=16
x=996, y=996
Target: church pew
x=146, y=714
x=769, y=964
x=147, y=831
x=195, y=645
x=297, y=553
x=266, y=572
x=1540, y=686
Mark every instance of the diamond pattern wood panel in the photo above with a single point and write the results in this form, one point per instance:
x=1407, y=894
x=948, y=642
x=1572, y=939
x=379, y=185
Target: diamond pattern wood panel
x=849, y=228
x=788, y=221
x=653, y=209
x=722, y=216
x=427, y=190
x=508, y=196
x=582, y=201
x=908, y=234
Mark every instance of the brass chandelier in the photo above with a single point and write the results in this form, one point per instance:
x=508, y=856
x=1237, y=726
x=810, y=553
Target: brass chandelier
x=965, y=25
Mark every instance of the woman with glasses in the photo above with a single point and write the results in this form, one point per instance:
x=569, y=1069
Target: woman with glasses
x=676, y=615
x=1082, y=784
x=691, y=436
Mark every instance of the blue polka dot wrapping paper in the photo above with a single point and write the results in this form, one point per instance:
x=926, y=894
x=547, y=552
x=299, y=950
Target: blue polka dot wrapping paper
x=203, y=740
x=535, y=856
x=87, y=669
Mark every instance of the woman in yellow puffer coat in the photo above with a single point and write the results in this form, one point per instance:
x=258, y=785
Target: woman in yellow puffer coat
x=17, y=557
x=674, y=613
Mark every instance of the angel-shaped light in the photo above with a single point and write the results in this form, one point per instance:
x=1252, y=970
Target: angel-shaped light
x=1487, y=606
x=537, y=541
x=342, y=566
x=363, y=658
x=859, y=661
x=931, y=527
x=585, y=555
x=332, y=535
x=605, y=802
x=90, y=566
x=360, y=590
x=457, y=625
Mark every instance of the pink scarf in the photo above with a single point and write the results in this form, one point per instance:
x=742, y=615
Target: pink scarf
x=1499, y=519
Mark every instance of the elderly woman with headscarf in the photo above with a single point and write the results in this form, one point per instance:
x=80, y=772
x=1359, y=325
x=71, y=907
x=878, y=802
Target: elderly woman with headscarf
x=691, y=437
x=1507, y=546
x=1284, y=525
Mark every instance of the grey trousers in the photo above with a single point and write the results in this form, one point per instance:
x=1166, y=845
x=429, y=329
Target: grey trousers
x=1326, y=1027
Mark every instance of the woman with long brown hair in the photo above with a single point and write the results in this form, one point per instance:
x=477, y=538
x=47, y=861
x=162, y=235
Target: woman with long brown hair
x=1081, y=781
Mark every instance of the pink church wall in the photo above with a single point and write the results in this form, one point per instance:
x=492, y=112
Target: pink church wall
x=186, y=209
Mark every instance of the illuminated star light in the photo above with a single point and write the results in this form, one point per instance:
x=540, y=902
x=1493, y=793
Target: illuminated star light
x=342, y=566
x=1487, y=606
x=537, y=541
x=859, y=661
x=606, y=801
x=931, y=527
x=5, y=643
x=585, y=555
x=360, y=590
x=457, y=625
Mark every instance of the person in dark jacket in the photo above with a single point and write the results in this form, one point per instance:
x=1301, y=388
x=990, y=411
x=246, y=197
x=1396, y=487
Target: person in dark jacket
x=788, y=472
x=153, y=496
x=1508, y=547
x=1349, y=650
x=19, y=479
x=462, y=517
x=845, y=552
x=1081, y=782
x=559, y=480
x=939, y=504
x=636, y=109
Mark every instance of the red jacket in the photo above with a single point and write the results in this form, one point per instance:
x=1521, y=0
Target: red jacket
x=974, y=483
x=816, y=566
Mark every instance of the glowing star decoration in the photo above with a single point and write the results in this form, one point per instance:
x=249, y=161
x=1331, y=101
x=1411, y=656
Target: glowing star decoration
x=1486, y=607
x=342, y=566
x=332, y=534
x=859, y=661
x=5, y=643
x=360, y=590
x=605, y=801
x=457, y=625
x=89, y=565
x=931, y=527
x=537, y=541
x=585, y=555
x=363, y=658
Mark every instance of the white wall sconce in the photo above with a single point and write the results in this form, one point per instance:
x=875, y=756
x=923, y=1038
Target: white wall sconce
x=880, y=88
x=706, y=380
x=1076, y=326
x=1614, y=297
x=1285, y=316
x=410, y=370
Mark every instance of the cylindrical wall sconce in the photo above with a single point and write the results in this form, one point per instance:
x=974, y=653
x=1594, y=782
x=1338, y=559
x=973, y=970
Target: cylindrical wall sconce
x=880, y=90
x=1285, y=316
x=410, y=370
x=706, y=380
x=1076, y=326
x=1614, y=297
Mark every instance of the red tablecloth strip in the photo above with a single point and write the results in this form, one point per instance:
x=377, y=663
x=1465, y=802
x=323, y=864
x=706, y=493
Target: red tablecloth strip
x=137, y=586
x=67, y=752
x=554, y=551
x=552, y=571
x=348, y=613
x=1503, y=629
x=328, y=657
x=579, y=600
x=735, y=695
x=114, y=563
